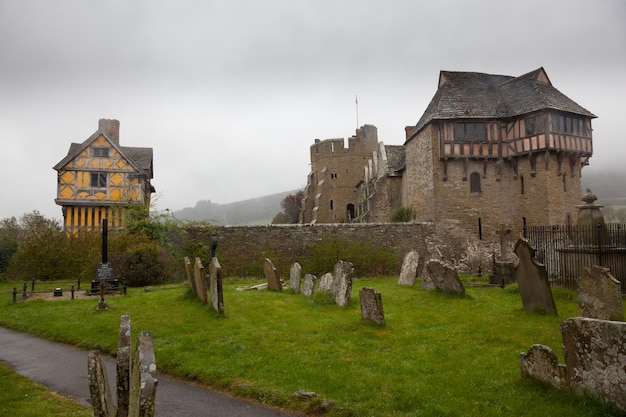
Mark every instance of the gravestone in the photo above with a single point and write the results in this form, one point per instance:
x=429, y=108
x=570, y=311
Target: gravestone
x=199, y=276
x=426, y=282
x=600, y=295
x=215, y=285
x=595, y=360
x=504, y=265
x=295, y=273
x=136, y=377
x=271, y=275
x=190, y=275
x=408, y=272
x=308, y=286
x=532, y=279
x=444, y=277
x=342, y=283
x=325, y=282
x=372, y=305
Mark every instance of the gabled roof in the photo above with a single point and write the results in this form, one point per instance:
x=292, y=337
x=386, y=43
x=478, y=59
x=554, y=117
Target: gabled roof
x=396, y=160
x=474, y=95
x=139, y=158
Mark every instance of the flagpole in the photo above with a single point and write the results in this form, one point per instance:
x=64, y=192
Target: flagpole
x=356, y=102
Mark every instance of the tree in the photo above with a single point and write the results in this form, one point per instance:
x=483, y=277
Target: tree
x=291, y=205
x=281, y=218
x=42, y=251
x=10, y=238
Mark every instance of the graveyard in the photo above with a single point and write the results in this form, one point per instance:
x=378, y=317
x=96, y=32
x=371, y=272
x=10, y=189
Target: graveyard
x=435, y=353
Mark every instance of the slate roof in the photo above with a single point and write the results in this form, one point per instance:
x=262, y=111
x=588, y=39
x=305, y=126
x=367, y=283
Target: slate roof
x=396, y=160
x=474, y=95
x=140, y=158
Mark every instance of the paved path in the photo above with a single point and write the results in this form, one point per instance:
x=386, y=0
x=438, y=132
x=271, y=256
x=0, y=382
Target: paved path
x=63, y=369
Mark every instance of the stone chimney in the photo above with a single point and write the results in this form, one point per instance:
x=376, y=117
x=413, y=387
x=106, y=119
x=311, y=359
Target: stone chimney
x=111, y=128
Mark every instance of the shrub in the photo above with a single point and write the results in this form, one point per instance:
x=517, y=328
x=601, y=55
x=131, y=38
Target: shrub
x=402, y=215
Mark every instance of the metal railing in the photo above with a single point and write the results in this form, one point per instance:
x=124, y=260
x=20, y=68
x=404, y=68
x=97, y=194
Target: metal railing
x=566, y=250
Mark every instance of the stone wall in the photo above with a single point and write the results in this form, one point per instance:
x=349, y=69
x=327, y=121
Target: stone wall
x=242, y=249
x=544, y=192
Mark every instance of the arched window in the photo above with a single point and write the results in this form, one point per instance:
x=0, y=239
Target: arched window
x=475, y=183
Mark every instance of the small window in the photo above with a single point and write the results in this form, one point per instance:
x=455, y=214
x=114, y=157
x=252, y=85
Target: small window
x=332, y=204
x=100, y=151
x=333, y=175
x=521, y=179
x=470, y=131
x=535, y=125
x=98, y=180
x=475, y=183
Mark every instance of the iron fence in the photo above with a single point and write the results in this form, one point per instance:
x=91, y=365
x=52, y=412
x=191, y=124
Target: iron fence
x=566, y=250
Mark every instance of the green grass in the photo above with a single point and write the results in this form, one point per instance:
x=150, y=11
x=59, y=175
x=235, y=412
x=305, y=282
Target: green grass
x=21, y=397
x=438, y=355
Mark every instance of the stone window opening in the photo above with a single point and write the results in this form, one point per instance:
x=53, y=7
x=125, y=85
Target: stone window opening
x=475, y=183
x=332, y=205
x=521, y=180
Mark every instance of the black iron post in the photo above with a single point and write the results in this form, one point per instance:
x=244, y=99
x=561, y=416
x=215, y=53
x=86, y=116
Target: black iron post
x=14, y=294
x=32, y=285
x=72, y=292
x=24, y=291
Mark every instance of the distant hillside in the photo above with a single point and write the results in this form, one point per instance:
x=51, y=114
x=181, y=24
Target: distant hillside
x=259, y=210
x=608, y=183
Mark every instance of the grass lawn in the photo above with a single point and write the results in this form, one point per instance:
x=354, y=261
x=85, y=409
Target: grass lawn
x=438, y=355
x=21, y=397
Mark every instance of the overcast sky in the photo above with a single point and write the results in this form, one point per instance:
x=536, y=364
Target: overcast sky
x=231, y=94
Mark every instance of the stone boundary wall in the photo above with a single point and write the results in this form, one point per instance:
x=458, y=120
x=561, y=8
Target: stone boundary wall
x=242, y=249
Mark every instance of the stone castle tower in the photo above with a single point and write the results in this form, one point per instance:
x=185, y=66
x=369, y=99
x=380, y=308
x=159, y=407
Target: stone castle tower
x=330, y=195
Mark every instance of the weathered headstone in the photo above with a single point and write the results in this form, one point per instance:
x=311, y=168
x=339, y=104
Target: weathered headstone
x=372, y=305
x=308, y=286
x=342, y=283
x=325, y=282
x=532, y=279
x=600, y=295
x=426, y=282
x=444, y=277
x=408, y=272
x=136, y=377
x=295, y=273
x=504, y=264
x=595, y=360
x=199, y=275
x=271, y=275
x=190, y=275
x=123, y=366
x=215, y=284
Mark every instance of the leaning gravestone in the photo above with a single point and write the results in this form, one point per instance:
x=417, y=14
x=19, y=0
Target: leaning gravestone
x=325, y=282
x=295, y=272
x=271, y=275
x=342, y=283
x=308, y=287
x=595, y=359
x=372, y=305
x=444, y=277
x=408, y=272
x=215, y=284
x=200, y=281
x=600, y=295
x=532, y=279
x=190, y=275
x=136, y=377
